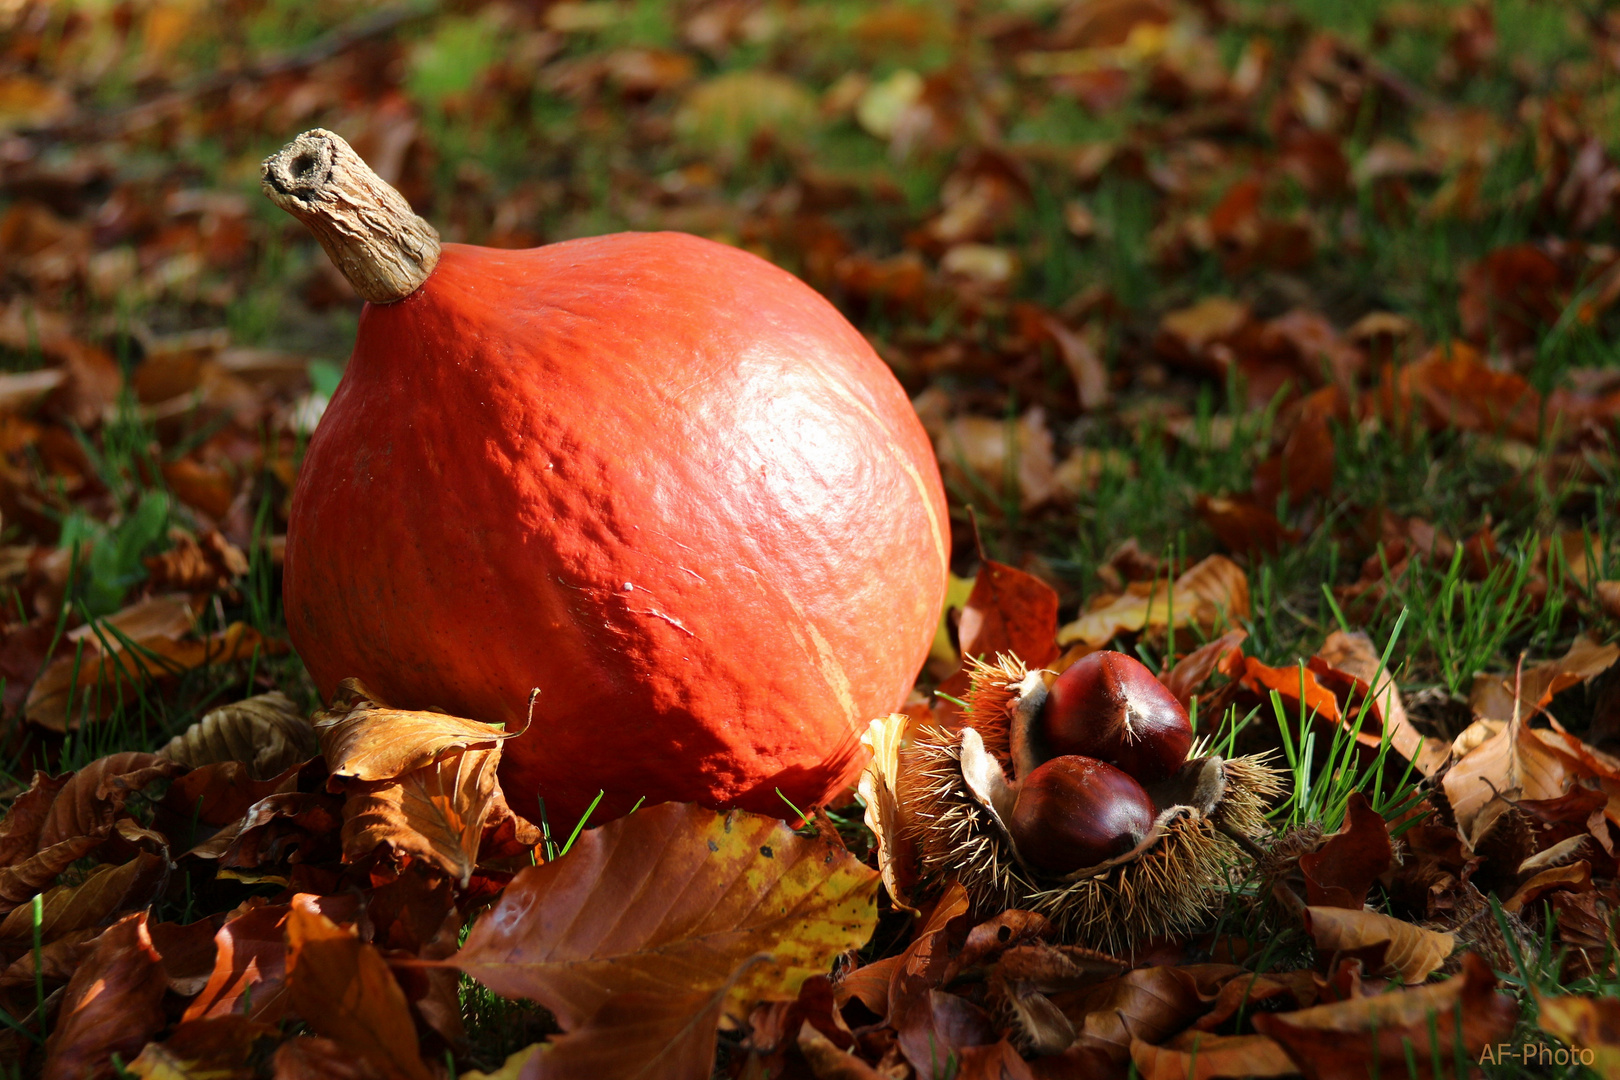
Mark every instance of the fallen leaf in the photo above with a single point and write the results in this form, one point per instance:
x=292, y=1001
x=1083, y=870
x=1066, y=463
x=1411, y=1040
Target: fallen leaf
x=1211, y=593
x=251, y=956
x=1511, y=764
x=1196, y=1055
x=827, y=1061
x=878, y=787
x=343, y=989
x=1491, y=696
x=1576, y=875
x=604, y=918
x=19, y=831
x=67, y=908
x=267, y=733
x=1390, y=1034
x=112, y=1005
x=1010, y=611
x=1147, y=1004
x=1354, y=655
x=363, y=739
x=999, y=458
x=1243, y=525
x=1586, y=1023
x=213, y=1049
x=1191, y=670
x=149, y=645
x=1409, y=952
x=92, y=799
x=435, y=812
x=645, y=1035
x=1457, y=390
x=1342, y=871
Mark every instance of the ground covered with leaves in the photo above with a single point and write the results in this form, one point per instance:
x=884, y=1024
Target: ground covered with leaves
x=1272, y=343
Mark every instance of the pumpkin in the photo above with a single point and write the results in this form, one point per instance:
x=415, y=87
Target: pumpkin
x=656, y=477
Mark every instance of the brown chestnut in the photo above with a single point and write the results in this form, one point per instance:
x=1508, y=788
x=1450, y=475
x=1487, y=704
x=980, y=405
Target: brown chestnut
x=1110, y=707
x=1073, y=812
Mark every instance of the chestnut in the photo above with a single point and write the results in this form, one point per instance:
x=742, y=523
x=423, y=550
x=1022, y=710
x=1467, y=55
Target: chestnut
x=1111, y=707
x=1072, y=812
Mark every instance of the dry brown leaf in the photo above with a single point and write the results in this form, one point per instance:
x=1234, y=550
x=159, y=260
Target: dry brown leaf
x=1366, y=1036
x=93, y=797
x=20, y=881
x=1491, y=696
x=216, y=1049
x=1355, y=655
x=112, y=1005
x=1585, y=1023
x=1410, y=952
x=362, y=739
x=343, y=989
x=19, y=832
x=979, y=453
x=1513, y=763
x=878, y=790
x=609, y=918
x=1147, y=1004
x=267, y=733
x=1196, y=1055
x=69, y=908
x=250, y=957
x=106, y=668
x=1191, y=670
x=1341, y=872
x=1577, y=875
x=1213, y=593
x=435, y=812
x=1010, y=611
x=644, y=1035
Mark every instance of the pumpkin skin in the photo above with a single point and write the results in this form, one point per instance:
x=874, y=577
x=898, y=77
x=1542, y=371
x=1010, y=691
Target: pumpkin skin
x=654, y=476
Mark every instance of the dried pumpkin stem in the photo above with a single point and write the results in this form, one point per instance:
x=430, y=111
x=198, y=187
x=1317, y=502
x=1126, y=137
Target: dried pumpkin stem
x=368, y=229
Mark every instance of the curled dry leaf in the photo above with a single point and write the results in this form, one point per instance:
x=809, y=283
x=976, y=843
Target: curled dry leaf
x=1191, y=670
x=1147, y=1004
x=19, y=832
x=65, y=909
x=877, y=788
x=435, y=812
x=1491, y=696
x=1367, y=1036
x=1210, y=594
x=343, y=989
x=202, y=1050
x=1409, y=952
x=1195, y=1055
x=112, y=1005
x=1354, y=655
x=267, y=733
x=827, y=1061
x=1010, y=611
x=114, y=656
x=363, y=739
x=1587, y=1023
x=644, y=1035
x=91, y=800
x=978, y=452
x=605, y=918
x=1514, y=763
x=1342, y=871
x=250, y=954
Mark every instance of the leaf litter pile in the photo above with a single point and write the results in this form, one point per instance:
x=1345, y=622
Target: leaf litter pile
x=1268, y=343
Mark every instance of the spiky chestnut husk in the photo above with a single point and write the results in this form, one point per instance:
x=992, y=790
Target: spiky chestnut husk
x=1169, y=885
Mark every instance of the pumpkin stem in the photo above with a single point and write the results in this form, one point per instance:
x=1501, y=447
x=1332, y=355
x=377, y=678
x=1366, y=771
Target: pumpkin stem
x=368, y=229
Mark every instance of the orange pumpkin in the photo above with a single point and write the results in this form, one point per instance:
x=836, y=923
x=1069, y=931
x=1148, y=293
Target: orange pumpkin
x=654, y=476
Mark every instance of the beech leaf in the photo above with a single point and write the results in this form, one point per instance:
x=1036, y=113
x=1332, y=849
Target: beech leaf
x=1210, y=594
x=362, y=739
x=1367, y=1036
x=267, y=733
x=343, y=989
x=878, y=789
x=1010, y=611
x=1341, y=872
x=1587, y=1023
x=644, y=1035
x=1410, y=952
x=66, y=908
x=1195, y=1055
x=435, y=812
x=1514, y=763
x=672, y=898
x=112, y=1005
